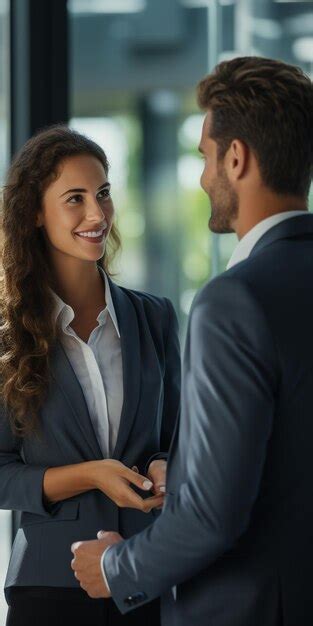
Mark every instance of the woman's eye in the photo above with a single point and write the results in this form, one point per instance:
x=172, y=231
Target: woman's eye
x=75, y=199
x=105, y=193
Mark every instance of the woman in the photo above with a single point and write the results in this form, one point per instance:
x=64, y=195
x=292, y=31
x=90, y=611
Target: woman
x=89, y=381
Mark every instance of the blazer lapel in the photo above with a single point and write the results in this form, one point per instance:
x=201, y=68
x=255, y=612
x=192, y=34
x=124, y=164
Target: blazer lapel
x=65, y=377
x=289, y=228
x=130, y=346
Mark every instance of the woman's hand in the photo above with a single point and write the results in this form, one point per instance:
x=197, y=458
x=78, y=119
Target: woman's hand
x=114, y=479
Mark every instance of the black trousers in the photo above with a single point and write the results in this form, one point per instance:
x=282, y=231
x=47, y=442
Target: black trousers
x=58, y=606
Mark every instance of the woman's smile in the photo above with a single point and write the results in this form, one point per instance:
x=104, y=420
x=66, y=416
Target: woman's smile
x=92, y=238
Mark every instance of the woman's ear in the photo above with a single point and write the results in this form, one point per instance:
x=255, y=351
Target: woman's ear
x=39, y=219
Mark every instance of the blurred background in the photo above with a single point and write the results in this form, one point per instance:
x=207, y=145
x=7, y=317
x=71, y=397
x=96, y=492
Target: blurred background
x=124, y=72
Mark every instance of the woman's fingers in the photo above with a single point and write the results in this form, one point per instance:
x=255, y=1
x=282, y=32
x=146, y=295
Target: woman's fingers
x=159, y=478
x=140, y=481
x=155, y=502
x=158, y=487
x=129, y=498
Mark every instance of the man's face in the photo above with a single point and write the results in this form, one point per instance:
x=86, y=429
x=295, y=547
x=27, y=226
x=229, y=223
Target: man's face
x=214, y=181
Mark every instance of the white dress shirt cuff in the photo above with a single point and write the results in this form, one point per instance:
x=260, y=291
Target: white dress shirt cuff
x=103, y=571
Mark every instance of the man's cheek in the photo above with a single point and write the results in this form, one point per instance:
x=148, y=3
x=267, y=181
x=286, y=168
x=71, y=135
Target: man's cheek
x=202, y=181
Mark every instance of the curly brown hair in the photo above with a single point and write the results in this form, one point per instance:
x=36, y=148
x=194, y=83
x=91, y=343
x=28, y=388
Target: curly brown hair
x=28, y=332
x=267, y=104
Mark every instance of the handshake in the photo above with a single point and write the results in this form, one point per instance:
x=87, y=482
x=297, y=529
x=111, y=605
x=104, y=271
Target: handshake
x=155, y=482
x=86, y=563
x=116, y=481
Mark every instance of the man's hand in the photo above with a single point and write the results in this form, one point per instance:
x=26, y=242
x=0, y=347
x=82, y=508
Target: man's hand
x=157, y=475
x=86, y=563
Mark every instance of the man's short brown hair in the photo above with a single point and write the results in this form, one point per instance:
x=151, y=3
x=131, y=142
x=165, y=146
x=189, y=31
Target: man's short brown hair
x=268, y=105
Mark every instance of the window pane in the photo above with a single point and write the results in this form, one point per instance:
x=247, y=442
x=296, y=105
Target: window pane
x=122, y=58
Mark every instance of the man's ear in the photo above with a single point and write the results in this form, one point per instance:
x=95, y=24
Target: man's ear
x=236, y=160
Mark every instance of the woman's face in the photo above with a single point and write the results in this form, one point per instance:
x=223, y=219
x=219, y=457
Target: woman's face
x=78, y=200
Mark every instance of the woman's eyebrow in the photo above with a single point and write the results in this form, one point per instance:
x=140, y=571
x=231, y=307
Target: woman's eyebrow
x=81, y=190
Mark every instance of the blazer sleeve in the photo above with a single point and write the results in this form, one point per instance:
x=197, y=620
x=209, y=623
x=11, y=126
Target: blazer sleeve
x=172, y=380
x=20, y=484
x=230, y=383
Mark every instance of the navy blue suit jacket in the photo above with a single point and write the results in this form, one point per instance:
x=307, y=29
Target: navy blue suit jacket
x=41, y=552
x=236, y=534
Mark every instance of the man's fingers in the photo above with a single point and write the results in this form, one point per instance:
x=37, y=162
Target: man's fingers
x=157, y=473
x=75, y=545
x=159, y=488
x=158, y=481
x=109, y=535
x=100, y=534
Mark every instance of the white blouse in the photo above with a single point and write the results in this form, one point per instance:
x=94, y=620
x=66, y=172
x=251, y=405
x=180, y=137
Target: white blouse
x=98, y=367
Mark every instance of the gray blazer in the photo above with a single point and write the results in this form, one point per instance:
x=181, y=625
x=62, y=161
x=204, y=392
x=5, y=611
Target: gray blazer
x=236, y=534
x=41, y=553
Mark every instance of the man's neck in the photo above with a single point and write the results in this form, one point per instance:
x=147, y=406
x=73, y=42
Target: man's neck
x=252, y=214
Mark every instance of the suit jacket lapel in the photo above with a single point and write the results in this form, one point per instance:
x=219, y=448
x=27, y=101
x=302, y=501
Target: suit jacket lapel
x=289, y=228
x=64, y=375
x=130, y=346
x=172, y=453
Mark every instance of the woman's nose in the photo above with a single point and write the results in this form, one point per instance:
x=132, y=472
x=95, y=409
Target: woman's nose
x=94, y=209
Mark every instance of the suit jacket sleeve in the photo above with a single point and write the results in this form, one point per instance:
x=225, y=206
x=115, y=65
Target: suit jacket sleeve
x=229, y=386
x=172, y=376
x=20, y=484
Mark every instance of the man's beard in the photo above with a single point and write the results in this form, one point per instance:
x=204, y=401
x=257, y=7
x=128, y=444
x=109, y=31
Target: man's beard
x=224, y=204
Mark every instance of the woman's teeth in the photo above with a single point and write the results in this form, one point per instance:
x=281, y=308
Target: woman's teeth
x=91, y=233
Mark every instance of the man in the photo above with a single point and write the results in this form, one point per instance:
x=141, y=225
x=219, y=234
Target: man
x=236, y=532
